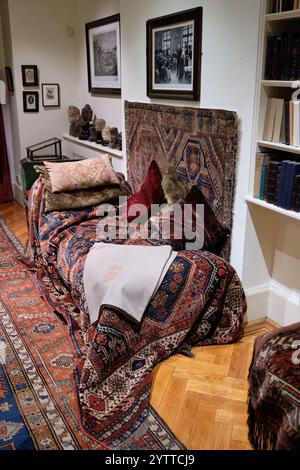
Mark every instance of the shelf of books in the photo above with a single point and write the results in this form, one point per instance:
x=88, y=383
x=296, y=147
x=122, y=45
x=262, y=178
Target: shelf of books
x=277, y=163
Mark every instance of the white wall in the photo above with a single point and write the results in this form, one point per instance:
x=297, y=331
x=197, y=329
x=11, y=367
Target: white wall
x=230, y=42
x=5, y=60
x=38, y=37
x=106, y=107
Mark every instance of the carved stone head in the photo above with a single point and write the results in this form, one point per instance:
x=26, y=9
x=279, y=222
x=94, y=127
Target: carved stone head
x=100, y=125
x=87, y=113
x=73, y=113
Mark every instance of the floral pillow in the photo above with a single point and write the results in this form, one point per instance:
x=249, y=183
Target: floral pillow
x=84, y=174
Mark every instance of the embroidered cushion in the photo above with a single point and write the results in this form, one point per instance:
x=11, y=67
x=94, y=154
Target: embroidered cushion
x=151, y=192
x=84, y=174
x=82, y=198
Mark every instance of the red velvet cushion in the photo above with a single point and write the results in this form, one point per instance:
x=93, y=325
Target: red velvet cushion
x=151, y=192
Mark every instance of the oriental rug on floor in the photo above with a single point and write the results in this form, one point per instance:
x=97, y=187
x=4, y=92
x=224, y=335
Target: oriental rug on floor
x=38, y=402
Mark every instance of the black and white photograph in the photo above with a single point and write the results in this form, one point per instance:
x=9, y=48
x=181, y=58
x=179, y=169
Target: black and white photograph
x=31, y=101
x=103, y=55
x=50, y=95
x=30, y=75
x=174, y=55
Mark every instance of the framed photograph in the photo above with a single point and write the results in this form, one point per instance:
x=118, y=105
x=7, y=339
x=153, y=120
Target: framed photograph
x=174, y=52
x=9, y=79
x=30, y=75
x=104, y=55
x=50, y=95
x=31, y=101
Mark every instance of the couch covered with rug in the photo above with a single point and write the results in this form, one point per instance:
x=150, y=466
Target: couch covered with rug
x=200, y=301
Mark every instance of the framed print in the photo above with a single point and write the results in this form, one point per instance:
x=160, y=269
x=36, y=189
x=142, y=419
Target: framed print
x=174, y=51
x=50, y=95
x=31, y=101
x=9, y=79
x=103, y=55
x=30, y=75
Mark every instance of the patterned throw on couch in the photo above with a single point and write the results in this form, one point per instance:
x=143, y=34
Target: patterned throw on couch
x=200, y=302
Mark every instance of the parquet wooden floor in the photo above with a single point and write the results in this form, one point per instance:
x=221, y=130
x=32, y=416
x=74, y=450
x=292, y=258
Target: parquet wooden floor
x=204, y=399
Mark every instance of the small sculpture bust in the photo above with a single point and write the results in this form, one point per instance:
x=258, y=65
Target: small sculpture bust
x=106, y=135
x=114, y=138
x=93, y=132
x=119, y=145
x=99, y=125
x=86, y=117
x=87, y=113
x=74, y=116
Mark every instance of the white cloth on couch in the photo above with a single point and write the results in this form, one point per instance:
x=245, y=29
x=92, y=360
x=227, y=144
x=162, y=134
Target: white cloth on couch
x=124, y=277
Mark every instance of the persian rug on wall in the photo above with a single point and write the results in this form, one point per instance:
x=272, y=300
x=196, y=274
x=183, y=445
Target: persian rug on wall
x=38, y=403
x=200, y=143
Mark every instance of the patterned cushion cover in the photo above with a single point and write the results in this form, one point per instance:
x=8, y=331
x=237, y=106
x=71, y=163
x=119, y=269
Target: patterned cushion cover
x=82, y=198
x=83, y=174
x=151, y=191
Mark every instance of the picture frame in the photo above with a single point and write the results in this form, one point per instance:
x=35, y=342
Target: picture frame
x=174, y=53
x=103, y=46
x=50, y=95
x=30, y=75
x=31, y=101
x=9, y=79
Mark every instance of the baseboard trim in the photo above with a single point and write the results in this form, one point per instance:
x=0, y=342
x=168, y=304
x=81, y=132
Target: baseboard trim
x=18, y=193
x=275, y=302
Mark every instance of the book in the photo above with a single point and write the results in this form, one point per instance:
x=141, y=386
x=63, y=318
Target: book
x=296, y=195
x=265, y=163
x=278, y=120
x=280, y=199
x=293, y=171
x=296, y=123
x=257, y=176
x=271, y=181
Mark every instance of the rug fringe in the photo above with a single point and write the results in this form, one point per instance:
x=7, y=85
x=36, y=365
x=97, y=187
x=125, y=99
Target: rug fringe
x=259, y=436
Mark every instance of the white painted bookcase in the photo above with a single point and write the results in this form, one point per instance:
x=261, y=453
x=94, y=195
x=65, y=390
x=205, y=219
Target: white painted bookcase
x=271, y=23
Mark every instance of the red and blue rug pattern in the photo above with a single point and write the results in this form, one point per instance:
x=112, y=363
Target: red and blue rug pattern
x=38, y=403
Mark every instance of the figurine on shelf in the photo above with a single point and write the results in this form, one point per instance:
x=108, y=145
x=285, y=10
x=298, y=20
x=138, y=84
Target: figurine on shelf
x=74, y=117
x=99, y=125
x=106, y=136
x=86, y=117
x=93, y=132
x=114, y=138
x=119, y=146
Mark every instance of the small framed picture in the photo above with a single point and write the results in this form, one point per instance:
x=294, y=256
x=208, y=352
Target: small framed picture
x=174, y=53
x=50, y=95
x=104, y=55
x=31, y=101
x=30, y=75
x=9, y=79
